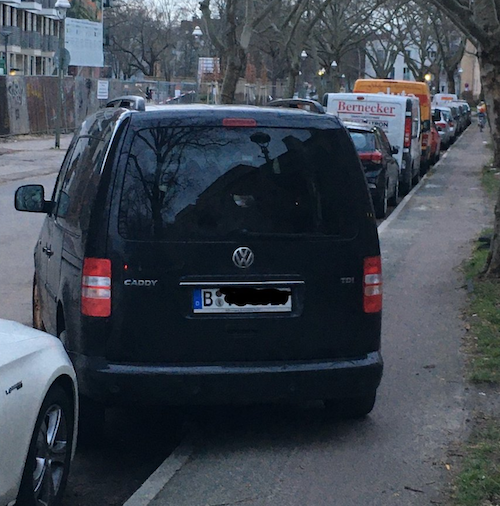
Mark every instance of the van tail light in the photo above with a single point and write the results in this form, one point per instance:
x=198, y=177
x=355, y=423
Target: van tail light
x=96, y=287
x=425, y=140
x=407, y=140
x=372, y=285
x=372, y=156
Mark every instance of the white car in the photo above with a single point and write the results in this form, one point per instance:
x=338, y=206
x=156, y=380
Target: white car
x=38, y=416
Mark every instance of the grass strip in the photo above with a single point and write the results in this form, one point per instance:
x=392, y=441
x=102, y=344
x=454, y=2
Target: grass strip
x=478, y=481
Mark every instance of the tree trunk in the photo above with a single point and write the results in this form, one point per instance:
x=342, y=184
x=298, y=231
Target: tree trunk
x=293, y=73
x=450, y=77
x=489, y=59
x=236, y=62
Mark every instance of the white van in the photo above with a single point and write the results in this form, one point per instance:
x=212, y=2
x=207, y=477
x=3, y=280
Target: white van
x=444, y=99
x=398, y=116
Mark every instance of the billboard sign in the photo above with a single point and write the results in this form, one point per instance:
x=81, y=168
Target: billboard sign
x=84, y=33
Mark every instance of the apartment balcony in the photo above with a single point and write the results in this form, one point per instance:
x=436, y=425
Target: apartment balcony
x=48, y=12
x=27, y=5
x=50, y=43
x=13, y=3
x=15, y=35
x=32, y=40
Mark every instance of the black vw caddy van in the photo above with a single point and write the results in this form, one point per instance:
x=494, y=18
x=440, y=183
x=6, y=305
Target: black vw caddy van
x=211, y=254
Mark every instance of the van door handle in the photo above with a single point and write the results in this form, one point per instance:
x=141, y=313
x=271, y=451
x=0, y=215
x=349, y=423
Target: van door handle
x=47, y=251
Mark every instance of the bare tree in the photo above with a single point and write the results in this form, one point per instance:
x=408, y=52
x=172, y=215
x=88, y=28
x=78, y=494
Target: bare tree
x=450, y=43
x=140, y=34
x=480, y=21
x=382, y=51
x=346, y=26
x=238, y=20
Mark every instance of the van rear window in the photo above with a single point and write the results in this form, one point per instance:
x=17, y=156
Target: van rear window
x=212, y=183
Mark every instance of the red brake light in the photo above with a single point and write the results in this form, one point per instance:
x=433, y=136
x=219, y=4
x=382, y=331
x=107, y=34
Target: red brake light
x=96, y=287
x=407, y=140
x=372, y=285
x=372, y=156
x=239, y=122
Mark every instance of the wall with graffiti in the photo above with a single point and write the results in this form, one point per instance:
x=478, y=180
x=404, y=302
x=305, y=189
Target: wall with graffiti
x=28, y=104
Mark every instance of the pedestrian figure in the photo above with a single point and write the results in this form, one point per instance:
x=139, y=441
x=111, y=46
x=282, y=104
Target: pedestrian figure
x=481, y=115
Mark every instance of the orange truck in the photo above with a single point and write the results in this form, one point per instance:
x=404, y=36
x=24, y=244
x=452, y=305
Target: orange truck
x=398, y=87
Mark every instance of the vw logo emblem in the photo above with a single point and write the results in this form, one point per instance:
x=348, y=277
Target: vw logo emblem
x=243, y=257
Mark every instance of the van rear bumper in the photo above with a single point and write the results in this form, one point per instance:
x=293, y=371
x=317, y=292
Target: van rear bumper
x=227, y=384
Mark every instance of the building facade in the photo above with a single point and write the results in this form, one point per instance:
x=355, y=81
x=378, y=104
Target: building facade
x=29, y=37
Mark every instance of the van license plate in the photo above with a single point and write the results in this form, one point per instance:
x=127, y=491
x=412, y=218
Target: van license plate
x=242, y=300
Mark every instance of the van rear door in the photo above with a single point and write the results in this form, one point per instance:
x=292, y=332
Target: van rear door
x=240, y=243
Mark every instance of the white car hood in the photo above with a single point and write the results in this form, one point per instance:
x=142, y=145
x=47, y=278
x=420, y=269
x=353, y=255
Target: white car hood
x=17, y=340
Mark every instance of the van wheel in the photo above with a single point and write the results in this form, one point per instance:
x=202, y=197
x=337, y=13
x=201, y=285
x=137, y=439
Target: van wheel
x=394, y=200
x=405, y=187
x=91, y=421
x=351, y=407
x=36, y=308
x=416, y=178
x=381, y=204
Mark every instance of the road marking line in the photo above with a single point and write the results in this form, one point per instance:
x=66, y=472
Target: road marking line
x=165, y=472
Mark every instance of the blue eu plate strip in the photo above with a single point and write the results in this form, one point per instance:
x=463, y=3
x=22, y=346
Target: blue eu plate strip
x=197, y=304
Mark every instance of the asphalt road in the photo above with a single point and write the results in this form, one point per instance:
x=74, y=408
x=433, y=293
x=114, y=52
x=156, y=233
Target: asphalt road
x=293, y=455
x=135, y=443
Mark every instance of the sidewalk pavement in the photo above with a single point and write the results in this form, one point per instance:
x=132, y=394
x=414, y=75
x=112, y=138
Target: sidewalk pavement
x=31, y=149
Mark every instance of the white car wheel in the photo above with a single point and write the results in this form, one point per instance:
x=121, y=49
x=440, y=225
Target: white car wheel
x=47, y=465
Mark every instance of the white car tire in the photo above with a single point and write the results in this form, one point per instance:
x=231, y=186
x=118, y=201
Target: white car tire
x=49, y=456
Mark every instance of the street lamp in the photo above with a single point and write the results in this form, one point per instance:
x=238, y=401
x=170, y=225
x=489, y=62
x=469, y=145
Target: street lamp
x=460, y=71
x=197, y=35
x=61, y=7
x=6, y=34
x=302, y=84
x=334, y=66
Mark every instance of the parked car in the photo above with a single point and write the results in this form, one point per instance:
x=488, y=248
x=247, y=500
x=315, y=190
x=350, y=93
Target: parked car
x=38, y=416
x=447, y=114
x=466, y=111
x=443, y=99
x=444, y=125
x=397, y=116
x=381, y=168
x=187, y=250
x=458, y=118
x=435, y=143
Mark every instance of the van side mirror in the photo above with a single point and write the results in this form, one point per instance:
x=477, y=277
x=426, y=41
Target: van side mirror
x=394, y=150
x=31, y=198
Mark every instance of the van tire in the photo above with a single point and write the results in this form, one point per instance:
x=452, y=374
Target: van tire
x=351, y=407
x=91, y=422
x=416, y=178
x=405, y=187
x=394, y=200
x=36, y=309
x=381, y=205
